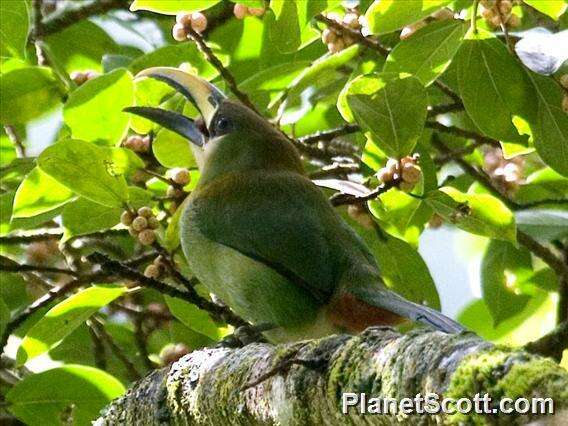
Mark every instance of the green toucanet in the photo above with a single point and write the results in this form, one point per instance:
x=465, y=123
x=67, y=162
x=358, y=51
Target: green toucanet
x=262, y=237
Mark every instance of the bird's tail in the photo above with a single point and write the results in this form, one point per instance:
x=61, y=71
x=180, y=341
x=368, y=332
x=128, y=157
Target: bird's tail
x=387, y=299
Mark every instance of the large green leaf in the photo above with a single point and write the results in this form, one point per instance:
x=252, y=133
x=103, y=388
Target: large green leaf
x=550, y=128
x=15, y=23
x=172, y=150
x=172, y=7
x=392, y=109
x=504, y=269
x=84, y=216
x=4, y=315
x=543, y=224
x=63, y=318
x=27, y=93
x=544, y=184
x=86, y=169
x=429, y=52
x=384, y=16
x=480, y=214
x=494, y=87
x=39, y=193
x=94, y=111
x=553, y=8
x=195, y=318
x=405, y=271
x=82, y=391
x=81, y=46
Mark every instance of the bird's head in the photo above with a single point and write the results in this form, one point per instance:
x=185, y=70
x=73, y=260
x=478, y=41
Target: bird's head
x=228, y=135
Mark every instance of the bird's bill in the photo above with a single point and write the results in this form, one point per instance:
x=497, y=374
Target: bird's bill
x=204, y=95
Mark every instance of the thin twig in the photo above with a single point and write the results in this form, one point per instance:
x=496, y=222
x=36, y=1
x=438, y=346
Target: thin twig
x=335, y=170
x=16, y=140
x=7, y=264
x=505, y=29
x=342, y=199
x=98, y=347
x=217, y=312
x=444, y=109
x=224, y=72
x=327, y=135
x=552, y=344
x=457, y=131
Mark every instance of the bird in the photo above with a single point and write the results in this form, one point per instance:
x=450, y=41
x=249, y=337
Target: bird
x=262, y=237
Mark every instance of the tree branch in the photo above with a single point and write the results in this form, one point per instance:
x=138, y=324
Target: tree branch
x=379, y=362
x=552, y=344
x=327, y=135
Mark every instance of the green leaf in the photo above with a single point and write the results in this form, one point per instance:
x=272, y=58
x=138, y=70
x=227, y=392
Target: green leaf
x=63, y=318
x=39, y=193
x=429, y=52
x=541, y=185
x=87, y=170
x=43, y=398
x=384, y=16
x=504, y=269
x=494, y=87
x=550, y=127
x=543, y=224
x=94, y=111
x=27, y=93
x=174, y=56
x=172, y=150
x=392, y=109
x=84, y=216
x=480, y=214
x=4, y=315
x=195, y=318
x=171, y=7
x=405, y=272
x=552, y=8
x=14, y=20
x=81, y=46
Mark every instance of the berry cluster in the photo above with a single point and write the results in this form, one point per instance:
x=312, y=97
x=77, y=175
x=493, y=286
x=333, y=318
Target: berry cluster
x=497, y=12
x=506, y=174
x=241, y=11
x=405, y=173
x=137, y=143
x=155, y=269
x=335, y=40
x=81, y=77
x=179, y=177
x=440, y=15
x=141, y=224
x=564, y=84
x=197, y=21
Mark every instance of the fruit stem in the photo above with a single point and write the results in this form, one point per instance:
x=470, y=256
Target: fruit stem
x=474, y=16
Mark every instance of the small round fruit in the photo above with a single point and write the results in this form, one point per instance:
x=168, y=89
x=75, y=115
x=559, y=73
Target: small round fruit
x=256, y=11
x=407, y=160
x=126, y=218
x=145, y=211
x=173, y=192
x=78, y=77
x=406, y=186
x=514, y=21
x=139, y=223
x=152, y=271
x=360, y=214
x=488, y=14
x=179, y=33
x=180, y=176
x=172, y=353
x=147, y=237
x=564, y=80
x=133, y=232
x=384, y=175
x=393, y=165
x=184, y=19
x=91, y=74
x=198, y=22
x=240, y=11
x=153, y=223
x=505, y=7
x=435, y=221
x=411, y=173
x=351, y=20
x=328, y=36
x=565, y=103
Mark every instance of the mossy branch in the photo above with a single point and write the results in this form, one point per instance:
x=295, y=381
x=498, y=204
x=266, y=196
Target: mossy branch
x=210, y=386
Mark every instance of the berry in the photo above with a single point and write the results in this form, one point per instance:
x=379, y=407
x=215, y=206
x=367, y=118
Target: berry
x=180, y=176
x=153, y=223
x=435, y=221
x=256, y=11
x=174, y=192
x=172, y=353
x=328, y=36
x=198, y=22
x=385, y=175
x=184, y=19
x=564, y=80
x=133, y=232
x=351, y=20
x=91, y=74
x=406, y=186
x=78, y=77
x=565, y=103
x=505, y=7
x=513, y=21
x=147, y=237
x=358, y=213
x=126, y=218
x=411, y=173
x=394, y=167
x=179, y=33
x=145, y=212
x=240, y=11
x=139, y=223
x=152, y=271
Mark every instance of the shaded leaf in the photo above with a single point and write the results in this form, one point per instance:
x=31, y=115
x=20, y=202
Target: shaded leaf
x=94, y=110
x=543, y=224
x=86, y=169
x=100, y=217
x=42, y=398
x=63, y=318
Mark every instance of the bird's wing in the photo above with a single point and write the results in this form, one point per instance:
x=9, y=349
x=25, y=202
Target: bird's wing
x=282, y=220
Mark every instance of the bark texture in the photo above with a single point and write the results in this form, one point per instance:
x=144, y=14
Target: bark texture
x=207, y=386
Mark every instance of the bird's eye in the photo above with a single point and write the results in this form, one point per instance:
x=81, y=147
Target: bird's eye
x=221, y=125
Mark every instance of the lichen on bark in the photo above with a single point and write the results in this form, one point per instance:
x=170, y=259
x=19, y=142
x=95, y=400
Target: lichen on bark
x=209, y=386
